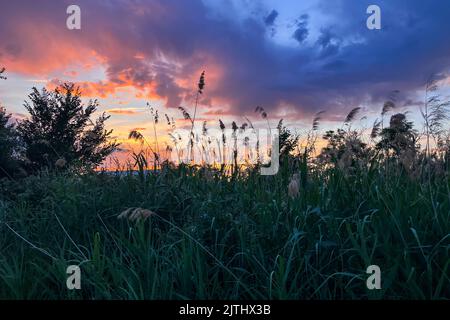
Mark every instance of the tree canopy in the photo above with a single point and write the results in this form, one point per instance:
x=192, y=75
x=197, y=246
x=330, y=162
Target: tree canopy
x=60, y=133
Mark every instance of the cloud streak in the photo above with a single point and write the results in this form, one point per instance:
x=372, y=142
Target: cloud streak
x=125, y=111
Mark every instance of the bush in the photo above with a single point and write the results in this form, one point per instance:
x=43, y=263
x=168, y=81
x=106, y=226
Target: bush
x=60, y=132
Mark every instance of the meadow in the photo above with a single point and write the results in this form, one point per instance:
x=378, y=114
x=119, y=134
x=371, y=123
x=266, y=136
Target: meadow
x=222, y=237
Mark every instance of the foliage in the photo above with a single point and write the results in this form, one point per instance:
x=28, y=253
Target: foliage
x=399, y=137
x=60, y=127
x=9, y=146
x=209, y=237
x=288, y=141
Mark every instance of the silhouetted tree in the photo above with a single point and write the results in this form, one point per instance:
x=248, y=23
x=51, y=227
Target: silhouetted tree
x=288, y=141
x=60, y=133
x=345, y=149
x=8, y=146
x=399, y=136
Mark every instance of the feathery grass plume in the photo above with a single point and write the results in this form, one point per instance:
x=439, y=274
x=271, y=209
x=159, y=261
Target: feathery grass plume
x=222, y=128
x=235, y=151
x=249, y=123
x=352, y=114
x=407, y=159
x=167, y=119
x=201, y=83
x=435, y=113
x=140, y=161
x=135, y=214
x=280, y=124
x=222, y=125
x=263, y=114
x=346, y=160
x=154, y=113
x=60, y=163
x=224, y=141
x=234, y=126
x=261, y=111
x=294, y=186
x=136, y=135
x=316, y=120
x=124, y=214
x=390, y=103
x=376, y=128
x=155, y=116
x=186, y=114
x=174, y=139
x=246, y=141
x=201, y=86
x=258, y=156
x=387, y=106
x=204, y=129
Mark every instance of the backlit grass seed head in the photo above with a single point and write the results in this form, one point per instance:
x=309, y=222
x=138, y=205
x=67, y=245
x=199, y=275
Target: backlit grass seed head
x=346, y=160
x=135, y=214
x=60, y=163
x=201, y=83
x=294, y=187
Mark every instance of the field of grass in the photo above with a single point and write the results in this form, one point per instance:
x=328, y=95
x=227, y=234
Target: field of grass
x=215, y=236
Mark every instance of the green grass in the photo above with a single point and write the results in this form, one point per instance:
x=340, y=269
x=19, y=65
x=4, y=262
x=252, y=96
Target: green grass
x=230, y=238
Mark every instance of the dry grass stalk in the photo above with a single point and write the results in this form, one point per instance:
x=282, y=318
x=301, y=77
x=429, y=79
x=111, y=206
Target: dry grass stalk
x=135, y=214
x=294, y=186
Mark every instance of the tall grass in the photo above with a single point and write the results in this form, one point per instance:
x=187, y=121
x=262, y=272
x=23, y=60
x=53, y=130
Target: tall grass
x=201, y=232
x=223, y=238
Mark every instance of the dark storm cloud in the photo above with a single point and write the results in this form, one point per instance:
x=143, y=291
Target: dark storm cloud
x=344, y=65
x=270, y=19
x=301, y=32
x=328, y=43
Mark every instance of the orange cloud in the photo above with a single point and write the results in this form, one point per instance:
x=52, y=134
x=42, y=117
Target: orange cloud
x=219, y=112
x=127, y=111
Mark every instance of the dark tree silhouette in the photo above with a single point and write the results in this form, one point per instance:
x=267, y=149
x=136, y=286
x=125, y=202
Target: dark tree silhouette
x=8, y=142
x=60, y=133
x=8, y=146
x=399, y=136
x=287, y=140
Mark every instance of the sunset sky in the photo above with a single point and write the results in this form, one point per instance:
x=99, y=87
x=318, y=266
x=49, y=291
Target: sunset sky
x=293, y=58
